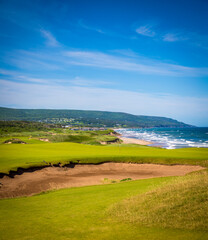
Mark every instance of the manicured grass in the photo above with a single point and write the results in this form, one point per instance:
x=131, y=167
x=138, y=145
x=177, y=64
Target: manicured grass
x=27, y=155
x=82, y=213
x=182, y=204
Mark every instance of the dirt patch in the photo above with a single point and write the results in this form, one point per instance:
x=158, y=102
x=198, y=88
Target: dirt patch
x=49, y=178
x=14, y=140
x=114, y=141
x=44, y=139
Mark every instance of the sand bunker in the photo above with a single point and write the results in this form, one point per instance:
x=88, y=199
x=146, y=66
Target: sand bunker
x=49, y=178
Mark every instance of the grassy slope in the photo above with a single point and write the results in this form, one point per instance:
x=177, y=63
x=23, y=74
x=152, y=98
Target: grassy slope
x=15, y=155
x=81, y=213
x=182, y=204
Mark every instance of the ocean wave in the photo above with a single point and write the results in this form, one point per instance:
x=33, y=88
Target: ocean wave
x=168, y=138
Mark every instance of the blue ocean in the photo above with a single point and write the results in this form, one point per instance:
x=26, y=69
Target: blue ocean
x=170, y=138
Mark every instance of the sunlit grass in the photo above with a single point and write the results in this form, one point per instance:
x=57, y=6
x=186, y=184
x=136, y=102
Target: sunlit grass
x=181, y=204
x=80, y=213
x=27, y=155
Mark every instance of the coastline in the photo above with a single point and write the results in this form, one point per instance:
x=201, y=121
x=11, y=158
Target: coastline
x=126, y=140
x=135, y=141
x=169, y=138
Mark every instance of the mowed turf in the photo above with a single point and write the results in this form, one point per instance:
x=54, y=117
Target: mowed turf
x=13, y=156
x=83, y=213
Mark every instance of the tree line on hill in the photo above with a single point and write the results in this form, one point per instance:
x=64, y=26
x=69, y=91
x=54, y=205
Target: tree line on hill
x=88, y=118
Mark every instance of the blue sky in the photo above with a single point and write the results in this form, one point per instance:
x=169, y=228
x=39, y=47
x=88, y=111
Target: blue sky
x=141, y=57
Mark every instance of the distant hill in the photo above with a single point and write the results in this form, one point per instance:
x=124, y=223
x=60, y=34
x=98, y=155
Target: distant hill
x=88, y=118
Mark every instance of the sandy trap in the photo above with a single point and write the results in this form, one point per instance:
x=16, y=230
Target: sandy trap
x=49, y=178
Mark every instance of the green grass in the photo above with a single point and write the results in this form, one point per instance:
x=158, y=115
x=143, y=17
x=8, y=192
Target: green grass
x=153, y=209
x=182, y=204
x=28, y=155
x=82, y=213
x=62, y=135
x=27, y=139
x=85, y=138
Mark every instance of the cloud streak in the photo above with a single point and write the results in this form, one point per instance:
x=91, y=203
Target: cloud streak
x=50, y=39
x=15, y=76
x=88, y=27
x=61, y=59
x=146, y=31
x=143, y=66
x=171, y=36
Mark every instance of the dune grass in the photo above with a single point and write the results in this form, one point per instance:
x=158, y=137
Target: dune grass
x=63, y=135
x=86, y=138
x=81, y=213
x=182, y=204
x=29, y=155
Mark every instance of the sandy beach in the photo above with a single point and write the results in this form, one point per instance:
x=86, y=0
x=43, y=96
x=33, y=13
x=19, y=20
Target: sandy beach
x=135, y=141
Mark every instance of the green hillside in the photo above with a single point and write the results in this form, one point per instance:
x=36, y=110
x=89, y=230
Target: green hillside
x=88, y=118
x=83, y=213
x=181, y=204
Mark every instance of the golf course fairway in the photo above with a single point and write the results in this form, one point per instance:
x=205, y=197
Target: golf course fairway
x=83, y=213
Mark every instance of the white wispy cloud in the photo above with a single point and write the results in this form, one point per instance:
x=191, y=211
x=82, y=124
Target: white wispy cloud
x=88, y=27
x=61, y=59
x=174, y=37
x=16, y=76
x=50, y=39
x=37, y=60
x=94, y=98
x=191, y=38
x=170, y=37
x=7, y=72
x=146, y=31
x=143, y=66
x=86, y=82
x=107, y=32
x=125, y=52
